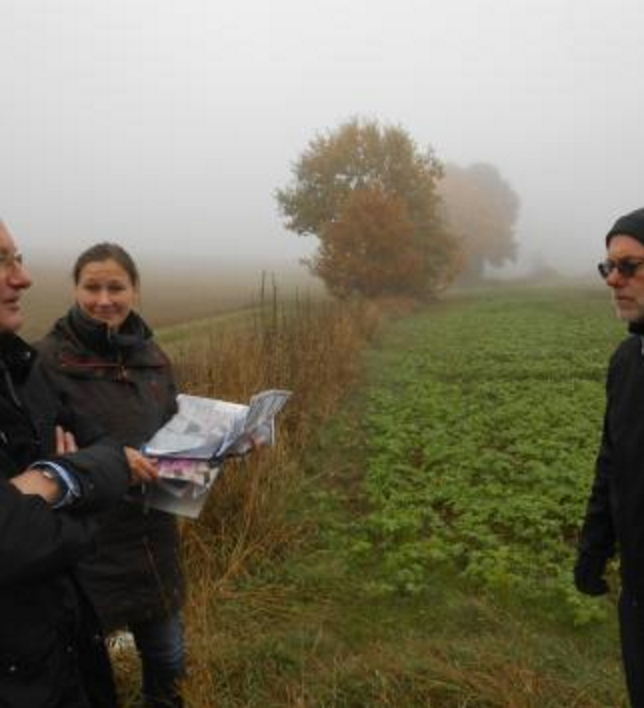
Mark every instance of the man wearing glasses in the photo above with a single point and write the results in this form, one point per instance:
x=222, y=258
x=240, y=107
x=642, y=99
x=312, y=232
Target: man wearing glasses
x=615, y=512
x=51, y=654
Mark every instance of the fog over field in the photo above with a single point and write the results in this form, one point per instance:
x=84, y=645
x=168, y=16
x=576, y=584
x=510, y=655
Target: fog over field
x=167, y=125
x=172, y=292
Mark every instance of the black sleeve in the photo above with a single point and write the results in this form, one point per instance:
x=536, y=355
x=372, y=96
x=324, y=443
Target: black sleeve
x=598, y=532
x=36, y=541
x=102, y=472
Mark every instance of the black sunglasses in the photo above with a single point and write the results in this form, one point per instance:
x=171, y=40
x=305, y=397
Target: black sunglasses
x=626, y=267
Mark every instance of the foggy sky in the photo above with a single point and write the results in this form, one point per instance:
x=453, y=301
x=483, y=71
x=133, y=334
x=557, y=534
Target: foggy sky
x=168, y=124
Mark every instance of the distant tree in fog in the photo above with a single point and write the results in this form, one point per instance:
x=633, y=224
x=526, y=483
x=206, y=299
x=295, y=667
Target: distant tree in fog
x=481, y=208
x=369, y=195
x=371, y=249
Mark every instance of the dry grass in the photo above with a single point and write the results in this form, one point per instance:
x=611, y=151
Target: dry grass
x=313, y=349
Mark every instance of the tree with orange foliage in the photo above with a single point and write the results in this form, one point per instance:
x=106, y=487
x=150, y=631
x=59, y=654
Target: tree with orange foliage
x=370, y=197
x=370, y=249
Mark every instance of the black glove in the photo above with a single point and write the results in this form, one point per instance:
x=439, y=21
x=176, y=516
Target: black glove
x=589, y=574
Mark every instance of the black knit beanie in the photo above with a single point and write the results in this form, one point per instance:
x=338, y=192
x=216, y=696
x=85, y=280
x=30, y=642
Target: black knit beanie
x=629, y=225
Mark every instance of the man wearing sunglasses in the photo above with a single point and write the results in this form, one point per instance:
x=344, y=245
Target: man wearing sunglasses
x=615, y=513
x=51, y=653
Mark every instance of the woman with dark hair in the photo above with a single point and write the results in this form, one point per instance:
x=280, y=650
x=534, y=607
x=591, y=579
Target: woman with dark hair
x=102, y=360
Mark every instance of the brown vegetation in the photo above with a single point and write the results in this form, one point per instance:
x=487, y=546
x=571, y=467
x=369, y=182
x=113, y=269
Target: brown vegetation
x=313, y=350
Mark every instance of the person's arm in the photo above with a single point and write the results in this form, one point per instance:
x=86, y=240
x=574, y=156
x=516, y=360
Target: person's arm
x=597, y=538
x=101, y=472
x=598, y=533
x=50, y=480
x=36, y=539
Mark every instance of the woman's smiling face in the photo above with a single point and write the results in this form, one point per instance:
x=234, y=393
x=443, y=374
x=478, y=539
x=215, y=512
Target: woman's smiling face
x=105, y=292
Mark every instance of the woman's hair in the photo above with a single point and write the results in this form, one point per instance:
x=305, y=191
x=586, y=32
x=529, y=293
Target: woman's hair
x=104, y=252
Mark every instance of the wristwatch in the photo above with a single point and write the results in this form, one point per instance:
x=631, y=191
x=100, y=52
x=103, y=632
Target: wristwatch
x=68, y=485
x=51, y=474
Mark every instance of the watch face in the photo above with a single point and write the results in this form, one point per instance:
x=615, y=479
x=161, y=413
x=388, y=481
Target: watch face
x=60, y=495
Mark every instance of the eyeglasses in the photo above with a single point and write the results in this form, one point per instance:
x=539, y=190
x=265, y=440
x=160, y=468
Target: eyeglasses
x=626, y=267
x=11, y=260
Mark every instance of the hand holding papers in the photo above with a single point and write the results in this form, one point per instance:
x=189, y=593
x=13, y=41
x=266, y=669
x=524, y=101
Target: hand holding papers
x=193, y=445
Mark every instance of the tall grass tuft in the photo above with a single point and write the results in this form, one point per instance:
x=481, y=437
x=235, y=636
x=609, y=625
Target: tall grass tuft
x=311, y=348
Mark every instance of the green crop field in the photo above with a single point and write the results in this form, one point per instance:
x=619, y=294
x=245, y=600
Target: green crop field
x=482, y=423
x=442, y=504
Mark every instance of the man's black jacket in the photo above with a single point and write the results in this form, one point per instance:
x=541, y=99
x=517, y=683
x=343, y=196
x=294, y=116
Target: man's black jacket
x=615, y=513
x=49, y=643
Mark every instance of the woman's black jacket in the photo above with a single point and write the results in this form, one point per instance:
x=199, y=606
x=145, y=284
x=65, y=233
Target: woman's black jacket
x=124, y=382
x=615, y=512
x=47, y=626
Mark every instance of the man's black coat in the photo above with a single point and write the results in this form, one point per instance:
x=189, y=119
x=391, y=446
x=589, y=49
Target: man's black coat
x=51, y=653
x=615, y=514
